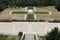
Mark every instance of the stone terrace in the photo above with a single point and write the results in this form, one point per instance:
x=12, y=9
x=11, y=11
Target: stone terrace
x=55, y=15
x=4, y=15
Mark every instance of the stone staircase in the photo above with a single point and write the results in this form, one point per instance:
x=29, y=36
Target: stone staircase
x=29, y=37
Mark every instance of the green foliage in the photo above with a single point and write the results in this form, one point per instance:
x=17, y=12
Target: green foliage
x=58, y=5
x=30, y=7
x=41, y=13
x=19, y=12
x=2, y=37
x=20, y=34
x=53, y=35
x=34, y=37
x=30, y=16
x=23, y=37
x=22, y=3
x=8, y=37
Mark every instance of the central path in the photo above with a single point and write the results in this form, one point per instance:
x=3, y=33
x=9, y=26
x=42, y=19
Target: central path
x=29, y=37
x=30, y=13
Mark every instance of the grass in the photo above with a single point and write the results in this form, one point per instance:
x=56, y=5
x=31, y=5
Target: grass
x=41, y=13
x=8, y=37
x=30, y=7
x=34, y=37
x=23, y=37
x=19, y=12
x=30, y=16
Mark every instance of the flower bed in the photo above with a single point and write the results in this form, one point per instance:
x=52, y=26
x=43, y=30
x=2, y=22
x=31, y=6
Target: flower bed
x=19, y=12
x=41, y=13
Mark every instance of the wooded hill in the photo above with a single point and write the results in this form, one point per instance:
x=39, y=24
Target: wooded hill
x=22, y=3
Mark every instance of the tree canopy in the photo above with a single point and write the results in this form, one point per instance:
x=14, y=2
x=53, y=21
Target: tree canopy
x=53, y=35
x=22, y=3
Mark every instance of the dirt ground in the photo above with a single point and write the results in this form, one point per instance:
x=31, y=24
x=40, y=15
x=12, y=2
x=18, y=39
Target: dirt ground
x=4, y=15
x=55, y=15
x=18, y=16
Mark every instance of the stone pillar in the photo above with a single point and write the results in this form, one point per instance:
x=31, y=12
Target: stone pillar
x=25, y=16
x=35, y=16
x=10, y=14
x=35, y=9
x=25, y=9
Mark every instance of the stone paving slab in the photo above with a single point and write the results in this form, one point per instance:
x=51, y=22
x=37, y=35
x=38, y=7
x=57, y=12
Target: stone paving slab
x=13, y=28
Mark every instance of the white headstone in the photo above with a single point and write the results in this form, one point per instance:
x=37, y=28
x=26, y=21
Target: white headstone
x=30, y=11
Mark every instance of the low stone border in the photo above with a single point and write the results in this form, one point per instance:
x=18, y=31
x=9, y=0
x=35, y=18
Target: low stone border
x=34, y=9
x=25, y=16
x=54, y=21
x=26, y=9
x=35, y=16
x=5, y=20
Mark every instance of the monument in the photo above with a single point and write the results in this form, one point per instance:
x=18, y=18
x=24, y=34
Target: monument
x=30, y=11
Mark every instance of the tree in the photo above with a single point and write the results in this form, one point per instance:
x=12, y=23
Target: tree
x=22, y=3
x=20, y=35
x=58, y=5
x=53, y=35
x=3, y=37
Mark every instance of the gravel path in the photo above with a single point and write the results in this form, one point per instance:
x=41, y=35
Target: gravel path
x=29, y=37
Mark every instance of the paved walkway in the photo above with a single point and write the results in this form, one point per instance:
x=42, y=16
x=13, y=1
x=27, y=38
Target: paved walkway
x=29, y=37
x=27, y=27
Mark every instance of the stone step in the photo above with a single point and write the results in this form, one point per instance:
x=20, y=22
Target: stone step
x=29, y=37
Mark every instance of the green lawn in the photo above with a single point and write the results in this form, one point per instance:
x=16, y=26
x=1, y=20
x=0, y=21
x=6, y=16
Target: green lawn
x=34, y=37
x=30, y=7
x=19, y=12
x=8, y=37
x=30, y=16
x=41, y=13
